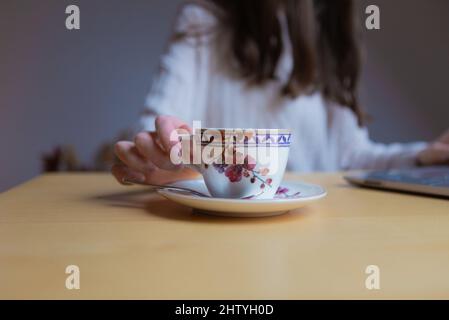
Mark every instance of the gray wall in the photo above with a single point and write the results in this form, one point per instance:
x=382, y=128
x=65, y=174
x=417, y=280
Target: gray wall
x=406, y=77
x=73, y=87
x=82, y=87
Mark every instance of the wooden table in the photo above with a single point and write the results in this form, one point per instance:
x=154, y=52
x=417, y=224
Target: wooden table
x=131, y=243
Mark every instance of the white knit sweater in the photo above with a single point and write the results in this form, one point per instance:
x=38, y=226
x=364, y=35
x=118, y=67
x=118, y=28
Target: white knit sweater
x=193, y=86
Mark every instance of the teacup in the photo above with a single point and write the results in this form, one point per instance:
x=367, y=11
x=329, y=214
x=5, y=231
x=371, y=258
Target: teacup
x=240, y=163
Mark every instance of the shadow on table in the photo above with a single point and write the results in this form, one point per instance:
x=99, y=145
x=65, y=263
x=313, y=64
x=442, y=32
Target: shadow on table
x=155, y=205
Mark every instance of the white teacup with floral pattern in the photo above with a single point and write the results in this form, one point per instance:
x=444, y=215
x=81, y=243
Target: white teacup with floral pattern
x=241, y=163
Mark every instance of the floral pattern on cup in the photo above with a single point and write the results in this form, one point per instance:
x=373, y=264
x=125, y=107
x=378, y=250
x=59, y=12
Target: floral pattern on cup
x=238, y=170
x=247, y=170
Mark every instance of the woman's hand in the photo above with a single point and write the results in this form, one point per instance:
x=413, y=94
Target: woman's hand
x=437, y=153
x=147, y=159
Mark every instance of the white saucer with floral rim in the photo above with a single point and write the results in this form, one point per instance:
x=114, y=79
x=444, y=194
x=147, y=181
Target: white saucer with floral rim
x=291, y=195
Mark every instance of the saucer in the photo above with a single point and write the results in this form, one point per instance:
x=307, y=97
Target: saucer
x=291, y=195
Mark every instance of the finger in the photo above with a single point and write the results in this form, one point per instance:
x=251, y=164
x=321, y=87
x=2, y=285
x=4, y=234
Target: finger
x=127, y=152
x=166, y=131
x=436, y=154
x=160, y=176
x=150, y=150
x=122, y=173
x=444, y=138
x=441, y=153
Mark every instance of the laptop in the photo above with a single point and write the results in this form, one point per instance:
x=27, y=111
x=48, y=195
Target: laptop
x=432, y=181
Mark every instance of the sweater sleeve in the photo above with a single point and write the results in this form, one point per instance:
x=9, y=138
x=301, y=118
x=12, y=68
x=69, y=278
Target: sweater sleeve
x=357, y=151
x=173, y=88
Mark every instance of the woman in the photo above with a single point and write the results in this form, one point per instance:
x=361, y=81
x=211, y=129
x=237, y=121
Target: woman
x=266, y=64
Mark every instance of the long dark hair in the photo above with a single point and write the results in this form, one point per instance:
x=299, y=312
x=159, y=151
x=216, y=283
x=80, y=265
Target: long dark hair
x=324, y=39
